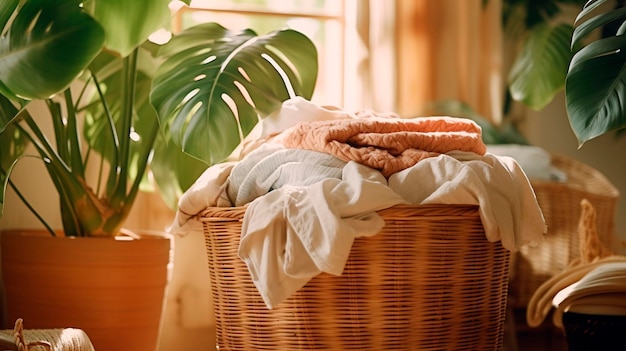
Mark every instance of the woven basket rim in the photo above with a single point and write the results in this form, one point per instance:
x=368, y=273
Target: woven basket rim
x=587, y=179
x=443, y=210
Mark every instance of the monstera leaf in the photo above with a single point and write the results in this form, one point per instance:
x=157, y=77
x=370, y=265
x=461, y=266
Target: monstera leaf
x=225, y=81
x=539, y=70
x=129, y=23
x=595, y=89
x=174, y=171
x=208, y=87
x=47, y=45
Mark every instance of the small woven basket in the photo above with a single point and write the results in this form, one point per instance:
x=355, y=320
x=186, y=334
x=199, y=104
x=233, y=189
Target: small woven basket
x=429, y=280
x=560, y=204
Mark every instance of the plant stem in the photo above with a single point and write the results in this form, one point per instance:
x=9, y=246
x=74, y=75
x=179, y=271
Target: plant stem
x=129, y=74
x=67, y=186
x=59, y=128
x=75, y=154
x=141, y=167
x=31, y=208
x=115, y=155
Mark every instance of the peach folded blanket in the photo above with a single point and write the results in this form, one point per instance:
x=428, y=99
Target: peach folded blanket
x=388, y=144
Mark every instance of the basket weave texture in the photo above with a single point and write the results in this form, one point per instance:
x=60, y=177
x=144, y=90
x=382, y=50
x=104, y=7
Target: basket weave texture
x=560, y=204
x=429, y=280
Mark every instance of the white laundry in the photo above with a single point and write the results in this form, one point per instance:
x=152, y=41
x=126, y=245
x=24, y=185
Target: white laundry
x=209, y=190
x=508, y=207
x=271, y=166
x=296, y=232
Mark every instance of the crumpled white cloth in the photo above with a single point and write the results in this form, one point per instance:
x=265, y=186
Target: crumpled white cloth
x=272, y=166
x=293, y=233
x=209, y=190
x=507, y=204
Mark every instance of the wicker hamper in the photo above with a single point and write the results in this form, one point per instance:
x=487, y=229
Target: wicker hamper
x=560, y=203
x=429, y=280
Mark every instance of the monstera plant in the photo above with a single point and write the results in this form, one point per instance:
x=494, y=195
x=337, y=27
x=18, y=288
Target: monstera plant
x=171, y=109
x=595, y=89
x=587, y=58
x=537, y=35
x=538, y=70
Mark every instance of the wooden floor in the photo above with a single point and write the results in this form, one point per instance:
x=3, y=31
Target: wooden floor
x=520, y=337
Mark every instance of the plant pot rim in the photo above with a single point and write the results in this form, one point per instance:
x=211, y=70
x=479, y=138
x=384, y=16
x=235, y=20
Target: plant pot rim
x=125, y=235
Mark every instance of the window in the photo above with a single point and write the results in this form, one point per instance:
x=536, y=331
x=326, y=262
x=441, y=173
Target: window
x=328, y=23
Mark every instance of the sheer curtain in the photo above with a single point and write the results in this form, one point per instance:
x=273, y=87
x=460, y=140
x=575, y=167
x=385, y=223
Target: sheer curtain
x=449, y=49
x=370, y=55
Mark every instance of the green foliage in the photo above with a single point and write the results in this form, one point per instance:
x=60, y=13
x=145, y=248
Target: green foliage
x=595, y=89
x=11, y=147
x=541, y=54
x=197, y=103
x=34, y=58
x=536, y=12
x=538, y=72
x=92, y=66
x=129, y=23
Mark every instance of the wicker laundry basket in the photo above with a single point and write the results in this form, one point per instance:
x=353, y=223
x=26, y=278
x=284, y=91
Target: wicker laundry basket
x=429, y=280
x=560, y=203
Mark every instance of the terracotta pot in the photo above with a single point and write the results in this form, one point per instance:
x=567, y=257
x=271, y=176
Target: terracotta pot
x=113, y=289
